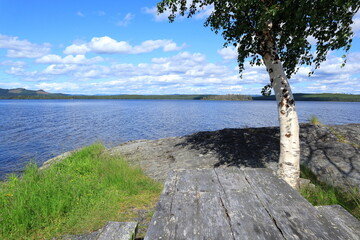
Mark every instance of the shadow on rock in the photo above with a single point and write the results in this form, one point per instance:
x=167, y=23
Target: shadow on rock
x=251, y=147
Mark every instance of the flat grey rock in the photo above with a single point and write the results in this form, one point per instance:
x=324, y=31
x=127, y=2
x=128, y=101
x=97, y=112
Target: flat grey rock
x=332, y=160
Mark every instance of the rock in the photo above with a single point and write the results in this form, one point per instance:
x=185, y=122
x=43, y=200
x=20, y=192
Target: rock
x=56, y=159
x=305, y=183
x=323, y=150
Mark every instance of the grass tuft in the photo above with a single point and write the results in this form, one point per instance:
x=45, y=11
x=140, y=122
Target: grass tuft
x=77, y=195
x=325, y=194
x=314, y=120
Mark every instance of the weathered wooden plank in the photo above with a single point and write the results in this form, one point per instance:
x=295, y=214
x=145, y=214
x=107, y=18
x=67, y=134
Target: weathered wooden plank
x=235, y=204
x=199, y=180
x=171, y=182
x=190, y=208
x=295, y=217
x=193, y=215
x=213, y=217
x=248, y=217
x=342, y=219
x=118, y=231
x=161, y=225
x=232, y=180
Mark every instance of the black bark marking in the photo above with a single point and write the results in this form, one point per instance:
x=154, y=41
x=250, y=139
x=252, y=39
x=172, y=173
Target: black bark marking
x=282, y=112
x=271, y=70
x=288, y=135
x=292, y=102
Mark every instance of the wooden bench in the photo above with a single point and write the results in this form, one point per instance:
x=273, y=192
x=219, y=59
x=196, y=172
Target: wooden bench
x=229, y=203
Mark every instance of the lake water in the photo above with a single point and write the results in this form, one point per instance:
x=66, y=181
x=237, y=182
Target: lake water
x=41, y=129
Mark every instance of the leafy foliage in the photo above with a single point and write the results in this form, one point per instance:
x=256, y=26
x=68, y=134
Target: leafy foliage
x=290, y=22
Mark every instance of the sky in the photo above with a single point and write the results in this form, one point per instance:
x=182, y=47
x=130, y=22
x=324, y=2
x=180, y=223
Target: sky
x=123, y=47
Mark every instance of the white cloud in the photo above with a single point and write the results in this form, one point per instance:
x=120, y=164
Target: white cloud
x=59, y=69
x=107, y=45
x=202, y=14
x=63, y=86
x=12, y=63
x=157, y=17
x=22, y=48
x=70, y=59
x=126, y=20
x=184, y=72
x=356, y=24
x=77, y=49
x=228, y=53
x=207, y=10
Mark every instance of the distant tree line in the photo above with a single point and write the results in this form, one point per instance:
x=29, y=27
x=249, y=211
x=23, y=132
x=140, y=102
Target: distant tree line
x=228, y=97
x=328, y=97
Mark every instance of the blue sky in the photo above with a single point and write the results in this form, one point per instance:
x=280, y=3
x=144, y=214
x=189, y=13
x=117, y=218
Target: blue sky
x=123, y=47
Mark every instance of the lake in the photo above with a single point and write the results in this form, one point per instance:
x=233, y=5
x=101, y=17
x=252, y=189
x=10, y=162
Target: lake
x=41, y=129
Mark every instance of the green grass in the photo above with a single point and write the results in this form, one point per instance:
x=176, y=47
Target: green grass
x=314, y=120
x=79, y=194
x=325, y=194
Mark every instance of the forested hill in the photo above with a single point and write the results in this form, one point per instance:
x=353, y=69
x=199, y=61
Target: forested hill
x=24, y=93
x=333, y=97
x=21, y=93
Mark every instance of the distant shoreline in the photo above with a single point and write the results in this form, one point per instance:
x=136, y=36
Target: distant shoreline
x=21, y=93
x=233, y=97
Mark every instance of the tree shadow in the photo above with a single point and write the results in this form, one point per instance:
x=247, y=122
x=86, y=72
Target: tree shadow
x=329, y=158
x=250, y=147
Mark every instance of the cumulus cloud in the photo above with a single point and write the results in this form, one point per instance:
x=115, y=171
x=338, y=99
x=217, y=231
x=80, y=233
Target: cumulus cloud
x=63, y=86
x=107, y=45
x=70, y=59
x=126, y=20
x=228, y=53
x=59, y=69
x=23, y=48
x=184, y=72
x=77, y=49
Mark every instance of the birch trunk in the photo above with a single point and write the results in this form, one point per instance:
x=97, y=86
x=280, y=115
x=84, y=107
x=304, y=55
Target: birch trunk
x=289, y=160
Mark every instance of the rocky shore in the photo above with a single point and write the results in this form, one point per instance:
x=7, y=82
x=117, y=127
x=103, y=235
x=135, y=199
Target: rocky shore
x=331, y=152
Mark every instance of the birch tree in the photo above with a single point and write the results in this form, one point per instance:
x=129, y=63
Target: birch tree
x=276, y=33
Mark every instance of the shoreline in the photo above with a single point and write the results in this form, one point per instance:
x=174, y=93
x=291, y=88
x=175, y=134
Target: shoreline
x=332, y=153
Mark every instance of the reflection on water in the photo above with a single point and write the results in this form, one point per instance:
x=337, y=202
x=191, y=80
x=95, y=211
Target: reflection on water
x=41, y=129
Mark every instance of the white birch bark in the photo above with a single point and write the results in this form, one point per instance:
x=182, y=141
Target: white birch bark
x=289, y=160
